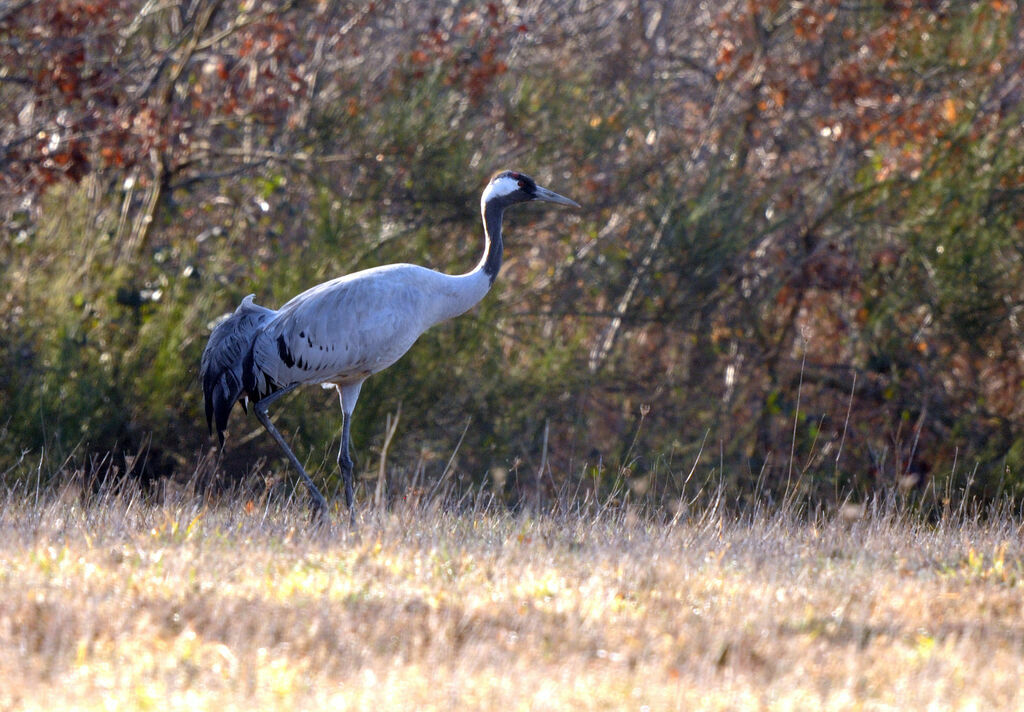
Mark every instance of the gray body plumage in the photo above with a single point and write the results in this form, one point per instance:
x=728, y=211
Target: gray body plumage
x=347, y=329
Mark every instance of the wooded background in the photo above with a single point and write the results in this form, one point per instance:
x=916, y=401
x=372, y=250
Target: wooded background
x=798, y=267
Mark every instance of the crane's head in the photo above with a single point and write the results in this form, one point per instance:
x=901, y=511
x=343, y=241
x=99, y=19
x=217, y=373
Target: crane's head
x=509, y=187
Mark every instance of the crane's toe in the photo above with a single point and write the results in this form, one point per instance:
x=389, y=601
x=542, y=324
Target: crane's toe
x=319, y=512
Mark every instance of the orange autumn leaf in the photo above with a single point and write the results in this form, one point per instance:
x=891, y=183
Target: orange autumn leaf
x=949, y=110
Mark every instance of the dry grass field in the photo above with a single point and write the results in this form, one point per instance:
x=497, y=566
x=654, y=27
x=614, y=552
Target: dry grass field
x=117, y=604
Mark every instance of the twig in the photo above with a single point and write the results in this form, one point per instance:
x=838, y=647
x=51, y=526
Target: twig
x=682, y=490
x=6, y=12
x=796, y=420
x=846, y=423
x=543, y=465
x=917, y=437
x=600, y=352
x=389, y=433
x=455, y=452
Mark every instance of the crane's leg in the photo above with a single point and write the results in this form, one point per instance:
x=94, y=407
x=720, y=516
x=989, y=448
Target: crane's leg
x=260, y=408
x=348, y=395
x=346, y=465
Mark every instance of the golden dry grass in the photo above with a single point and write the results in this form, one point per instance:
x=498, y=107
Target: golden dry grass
x=121, y=605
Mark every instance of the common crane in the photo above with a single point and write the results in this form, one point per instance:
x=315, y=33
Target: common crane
x=341, y=332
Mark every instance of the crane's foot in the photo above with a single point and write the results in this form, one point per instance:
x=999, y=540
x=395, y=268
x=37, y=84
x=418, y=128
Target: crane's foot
x=319, y=511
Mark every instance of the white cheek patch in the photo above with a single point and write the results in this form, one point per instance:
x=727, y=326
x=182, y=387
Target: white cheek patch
x=497, y=188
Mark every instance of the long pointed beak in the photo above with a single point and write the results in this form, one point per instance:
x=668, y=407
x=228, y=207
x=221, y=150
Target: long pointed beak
x=553, y=197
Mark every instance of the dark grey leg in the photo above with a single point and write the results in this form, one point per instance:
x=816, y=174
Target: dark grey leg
x=346, y=465
x=260, y=408
x=348, y=395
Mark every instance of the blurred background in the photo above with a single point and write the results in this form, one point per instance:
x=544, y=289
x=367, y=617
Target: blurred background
x=798, y=270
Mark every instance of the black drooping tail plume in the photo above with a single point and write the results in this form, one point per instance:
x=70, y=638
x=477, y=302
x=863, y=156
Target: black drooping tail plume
x=222, y=366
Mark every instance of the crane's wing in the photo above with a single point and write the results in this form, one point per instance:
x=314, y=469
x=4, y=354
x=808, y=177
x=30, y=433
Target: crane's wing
x=223, y=357
x=346, y=329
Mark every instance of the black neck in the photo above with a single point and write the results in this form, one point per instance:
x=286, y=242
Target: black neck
x=492, y=239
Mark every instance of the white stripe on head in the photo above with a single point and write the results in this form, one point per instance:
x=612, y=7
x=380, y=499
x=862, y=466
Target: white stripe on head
x=502, y=185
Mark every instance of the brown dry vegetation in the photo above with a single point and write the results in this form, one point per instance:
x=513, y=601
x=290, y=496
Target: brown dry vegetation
x=118, y=604
x=801, y=235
